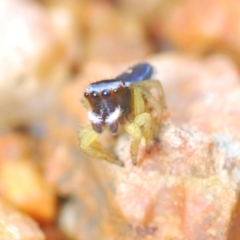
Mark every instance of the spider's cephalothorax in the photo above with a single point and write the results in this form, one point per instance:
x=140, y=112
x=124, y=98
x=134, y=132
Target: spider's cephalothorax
x=122, y=100
x=109, y=100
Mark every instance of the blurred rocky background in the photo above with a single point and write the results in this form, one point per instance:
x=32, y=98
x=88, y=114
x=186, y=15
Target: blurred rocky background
x=187, y=188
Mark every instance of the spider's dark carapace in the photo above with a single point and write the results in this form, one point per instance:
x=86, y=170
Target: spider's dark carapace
x=111, y=99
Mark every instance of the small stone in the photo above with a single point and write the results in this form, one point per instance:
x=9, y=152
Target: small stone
x=24, y=186
x=33, y=65
x=113, y=36
x=212, y=28
x=21, y=181
x=16, y=225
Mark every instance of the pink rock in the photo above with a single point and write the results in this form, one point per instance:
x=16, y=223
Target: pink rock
x=33, y=62
x=186, y=187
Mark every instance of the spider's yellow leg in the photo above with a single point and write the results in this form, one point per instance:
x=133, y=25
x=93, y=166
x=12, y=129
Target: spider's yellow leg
x=134, y=130
x=148, y=84
x=157, y=104
x=86, y=104
x=142, y=120
x=88, y=145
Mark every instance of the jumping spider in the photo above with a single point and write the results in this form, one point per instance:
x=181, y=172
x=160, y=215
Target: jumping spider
x=125, y=100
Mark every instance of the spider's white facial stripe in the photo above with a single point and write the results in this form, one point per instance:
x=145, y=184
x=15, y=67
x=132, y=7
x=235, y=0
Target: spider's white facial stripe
x=100, y=86
x=113, y=116
x=94, y=118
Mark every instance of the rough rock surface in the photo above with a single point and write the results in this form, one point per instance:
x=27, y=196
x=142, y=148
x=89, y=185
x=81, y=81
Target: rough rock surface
x=187, y=187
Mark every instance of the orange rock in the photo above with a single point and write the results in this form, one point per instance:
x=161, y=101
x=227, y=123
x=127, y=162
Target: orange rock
x=23, y=185
x=113, y=35
x=14, y=146
x=200, y=26
x=16, y=225
x=21, y=181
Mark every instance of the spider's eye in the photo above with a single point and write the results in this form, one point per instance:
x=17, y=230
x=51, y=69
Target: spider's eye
x=106, y=93
x=86, y=95
x=95, y=95
x=116, y=90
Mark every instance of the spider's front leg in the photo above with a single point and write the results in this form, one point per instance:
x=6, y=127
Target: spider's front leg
x=157, y=104
x=89, y=145
x=142, y=120
x=140, y=126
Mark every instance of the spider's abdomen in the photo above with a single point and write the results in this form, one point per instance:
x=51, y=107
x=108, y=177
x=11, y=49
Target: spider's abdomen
x=138, y=72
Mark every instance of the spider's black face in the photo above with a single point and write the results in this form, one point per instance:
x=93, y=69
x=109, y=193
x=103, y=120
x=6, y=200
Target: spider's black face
x=110, y=106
